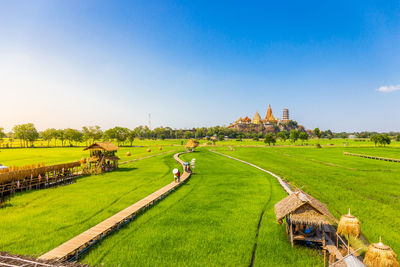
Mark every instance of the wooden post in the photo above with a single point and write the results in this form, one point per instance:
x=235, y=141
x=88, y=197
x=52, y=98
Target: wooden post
x=324, y=257
x=291, y=233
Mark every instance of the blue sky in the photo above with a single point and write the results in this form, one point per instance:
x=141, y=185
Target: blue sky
x=334, y=64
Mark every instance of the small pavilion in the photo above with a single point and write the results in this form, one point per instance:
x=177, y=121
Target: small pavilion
x=308, y=221
x=102, y=155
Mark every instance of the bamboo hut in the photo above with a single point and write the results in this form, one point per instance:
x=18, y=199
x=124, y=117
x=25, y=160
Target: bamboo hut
x=192, y=144
x=102, y=156
x=379, y=254
x=305, y=217
x=308, y=221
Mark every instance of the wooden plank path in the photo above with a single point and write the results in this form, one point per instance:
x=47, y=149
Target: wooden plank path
x=371, y=157
x=71, y=249
x=284, y=185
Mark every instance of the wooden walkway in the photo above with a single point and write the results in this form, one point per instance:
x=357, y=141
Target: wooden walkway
x=371, y=157
x=284, y=185
x=71, y=249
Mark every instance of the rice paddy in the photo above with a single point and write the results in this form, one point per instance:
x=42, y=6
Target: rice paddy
x=36, y=221
x=213, y=218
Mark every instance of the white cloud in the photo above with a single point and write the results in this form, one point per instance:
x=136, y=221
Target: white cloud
x=389, y=89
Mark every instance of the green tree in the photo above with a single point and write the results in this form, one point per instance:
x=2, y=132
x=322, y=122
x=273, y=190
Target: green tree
x=221, y=137
x=48, y=135
x=2, y=134
x=385, y=140
x=73, y=135
x=26, y=133
x=188, y=135
x=294, y=135
x=269, y=138
x=317, y=133
x=398, y=138
x=86, y=134
x=303, y=136
x=375, y=138
x=60, y=135
x=283, y=135
x=131, y=136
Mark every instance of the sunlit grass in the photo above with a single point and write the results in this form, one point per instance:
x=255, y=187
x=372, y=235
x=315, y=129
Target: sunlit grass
x=36, y=221
x=210, y=221
x=371, y=188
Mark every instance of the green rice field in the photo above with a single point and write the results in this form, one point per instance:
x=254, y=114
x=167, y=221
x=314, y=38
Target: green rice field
x=213, y=218
x=36, y=221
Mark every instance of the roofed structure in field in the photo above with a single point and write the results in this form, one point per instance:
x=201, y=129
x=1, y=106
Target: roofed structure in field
x=192, y=144
x=303, y=208
x=107, y=146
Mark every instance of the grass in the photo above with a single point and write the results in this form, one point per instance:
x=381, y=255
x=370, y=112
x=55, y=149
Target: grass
x=371, y=188
x=36, y=221
x=23, y=156
x=210, y=221
x=360, y=142
x=213, y=218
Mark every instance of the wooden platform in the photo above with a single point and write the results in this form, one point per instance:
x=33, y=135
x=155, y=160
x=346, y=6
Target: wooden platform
x=371, y=157
x=71, y=249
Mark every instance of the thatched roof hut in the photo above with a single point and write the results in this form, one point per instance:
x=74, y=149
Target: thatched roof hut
x=303, y=208
x=379, y=254
x=192, y=144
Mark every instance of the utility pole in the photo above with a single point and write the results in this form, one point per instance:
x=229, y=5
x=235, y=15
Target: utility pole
x=150, y=121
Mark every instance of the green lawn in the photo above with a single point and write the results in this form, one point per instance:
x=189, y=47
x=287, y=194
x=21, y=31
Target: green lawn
x=371, y=188
x=36, y=221
x=210, y=221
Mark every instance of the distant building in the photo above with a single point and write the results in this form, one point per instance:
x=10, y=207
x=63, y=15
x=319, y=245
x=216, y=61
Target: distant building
x=267, y=121
x=257, y=119
x=285, y=115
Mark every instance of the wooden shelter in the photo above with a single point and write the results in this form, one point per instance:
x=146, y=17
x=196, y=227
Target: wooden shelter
x=309, y=221
x=305, y=217
x=102, y=156
x=192, y=144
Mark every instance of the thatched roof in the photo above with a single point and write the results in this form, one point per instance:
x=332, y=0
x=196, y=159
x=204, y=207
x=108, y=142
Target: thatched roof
x=303, y=208
x=192, y=144
x=349, y=225
x=22, y=174
x=107, y=146
x=378, y=254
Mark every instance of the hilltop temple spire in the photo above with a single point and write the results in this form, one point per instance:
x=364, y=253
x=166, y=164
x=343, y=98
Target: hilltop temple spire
x=257, y=118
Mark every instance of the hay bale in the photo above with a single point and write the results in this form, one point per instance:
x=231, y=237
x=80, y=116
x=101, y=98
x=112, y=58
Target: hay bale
x=160, y=148
x=349, y=225
x=128, y=154
x=148, y=150
x=379, y=254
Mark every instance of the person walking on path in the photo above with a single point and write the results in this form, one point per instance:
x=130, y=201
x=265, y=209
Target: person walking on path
x=179, y=176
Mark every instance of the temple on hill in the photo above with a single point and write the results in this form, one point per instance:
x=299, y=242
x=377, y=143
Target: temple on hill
x=268, y=120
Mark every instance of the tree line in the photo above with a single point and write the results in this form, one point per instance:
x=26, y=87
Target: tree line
x=27, y=134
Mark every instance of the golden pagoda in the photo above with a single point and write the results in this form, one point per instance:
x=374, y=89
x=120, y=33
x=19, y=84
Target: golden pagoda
x=257, y=119
x=247, y=120
x=269, y=118
x=240, y=120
